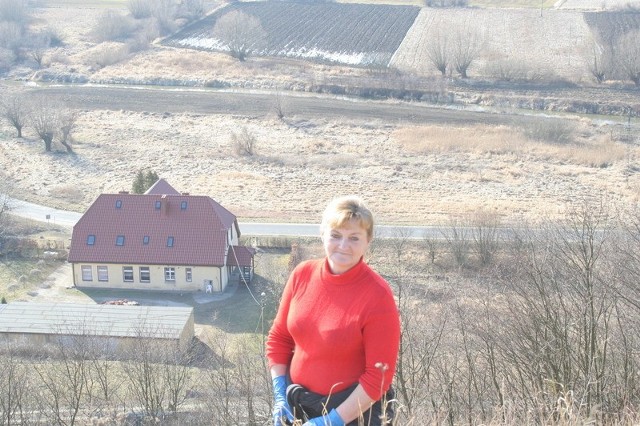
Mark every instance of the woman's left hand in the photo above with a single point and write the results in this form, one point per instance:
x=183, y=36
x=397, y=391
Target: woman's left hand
x=331, y=419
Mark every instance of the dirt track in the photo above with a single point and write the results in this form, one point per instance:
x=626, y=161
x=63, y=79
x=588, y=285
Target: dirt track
x=259, y=105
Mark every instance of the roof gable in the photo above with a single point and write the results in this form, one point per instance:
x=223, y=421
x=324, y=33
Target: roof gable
x=162, y=187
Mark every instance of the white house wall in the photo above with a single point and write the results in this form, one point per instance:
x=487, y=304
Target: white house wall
x=200, y=276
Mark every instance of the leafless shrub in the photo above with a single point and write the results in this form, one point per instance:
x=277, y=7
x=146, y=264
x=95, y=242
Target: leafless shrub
x=11, y=36
x=243, y=143
x=509, y=70
x=241, y=33
x=279, y=105
x=7, y=59
x=550, y=130
x=16, y=11
x=108, y=54
x=191, y=10
x=484, y=231
x=113, y=26
x=458, y=238
x=140, y=9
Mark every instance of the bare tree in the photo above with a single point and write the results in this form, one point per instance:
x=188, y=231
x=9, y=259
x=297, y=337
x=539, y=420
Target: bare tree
x=192, y=10
x=241, y=33
x=628, y=55
x=438, y=50
x=598, y=63
x=485, y=235
x=65, y=378
x=466, y=47
x=45, y=120
x=51, y=118
x=13, y=387
x=68, y=120
x=16, y=110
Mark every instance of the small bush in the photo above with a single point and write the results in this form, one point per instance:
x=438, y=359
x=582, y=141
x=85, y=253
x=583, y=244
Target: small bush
x=14, y=11
x=553, y=130
x=112, y=26
x=7, y=59
x=108, y=54
x=243, y=143
x=140, y=9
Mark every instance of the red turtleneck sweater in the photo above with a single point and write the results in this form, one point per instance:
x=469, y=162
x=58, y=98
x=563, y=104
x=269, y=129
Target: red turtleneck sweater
x=332, y=330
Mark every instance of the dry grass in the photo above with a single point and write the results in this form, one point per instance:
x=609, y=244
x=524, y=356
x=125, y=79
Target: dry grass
x=600, y=151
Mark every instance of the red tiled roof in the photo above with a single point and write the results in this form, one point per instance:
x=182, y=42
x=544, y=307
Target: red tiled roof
x=199, y=231
x=162, y=187
x=240, y=256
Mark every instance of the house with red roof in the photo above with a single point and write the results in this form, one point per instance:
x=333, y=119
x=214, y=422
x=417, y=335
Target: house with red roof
x=161, y=240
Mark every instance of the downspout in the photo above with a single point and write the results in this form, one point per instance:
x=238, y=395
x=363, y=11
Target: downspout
x=73, y=273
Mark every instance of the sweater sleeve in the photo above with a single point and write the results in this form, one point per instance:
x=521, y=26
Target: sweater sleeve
x=381, y=334
x=280, y=344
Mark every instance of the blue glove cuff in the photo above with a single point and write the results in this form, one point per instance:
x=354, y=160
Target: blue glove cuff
x=279, y=385
x=334, y=418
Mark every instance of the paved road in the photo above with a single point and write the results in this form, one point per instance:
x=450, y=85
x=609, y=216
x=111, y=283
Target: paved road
x=258, y=104
x=69, y=219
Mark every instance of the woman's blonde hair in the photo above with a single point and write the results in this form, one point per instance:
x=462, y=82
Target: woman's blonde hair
x=343, y=209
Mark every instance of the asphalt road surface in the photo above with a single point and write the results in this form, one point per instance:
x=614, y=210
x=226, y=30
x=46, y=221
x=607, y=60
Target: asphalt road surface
x=259, y=104
x=68, y=219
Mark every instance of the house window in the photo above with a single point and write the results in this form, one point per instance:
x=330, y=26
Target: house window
x=169, y=241
x=145, y=240
x=145, y=274
x=118, y=204
x=120, y=240
x=189, y=275
x=127, y=273
x=170, y=274
x=91, y=240
x=183, y=205
x=87, y=275
x=158, y=204
x=103, y=273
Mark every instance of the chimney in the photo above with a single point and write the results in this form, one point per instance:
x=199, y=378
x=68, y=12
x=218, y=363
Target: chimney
x=164, y=206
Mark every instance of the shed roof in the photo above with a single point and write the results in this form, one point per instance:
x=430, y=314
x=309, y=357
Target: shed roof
x=158, y=322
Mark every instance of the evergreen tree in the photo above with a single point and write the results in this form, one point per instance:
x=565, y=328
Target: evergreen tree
x=151, y=178
x=139, y=185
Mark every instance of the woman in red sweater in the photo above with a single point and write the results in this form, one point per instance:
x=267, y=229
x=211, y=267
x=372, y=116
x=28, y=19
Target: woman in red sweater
x=337, y=331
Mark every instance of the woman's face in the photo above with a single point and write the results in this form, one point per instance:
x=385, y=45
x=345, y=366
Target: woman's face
x=345, y=246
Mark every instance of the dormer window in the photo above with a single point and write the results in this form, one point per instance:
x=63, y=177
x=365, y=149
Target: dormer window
x=145, y=240
x=183, y=205
x=169, y=241
x=118, y=204
x=158, y=204
x=91, y=240
x=120, y=240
